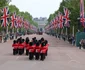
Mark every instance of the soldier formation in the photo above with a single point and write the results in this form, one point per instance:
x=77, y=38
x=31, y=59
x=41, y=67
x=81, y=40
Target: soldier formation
x=35, y=48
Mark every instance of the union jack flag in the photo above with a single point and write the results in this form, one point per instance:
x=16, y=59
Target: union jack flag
x=26, y=25
x=21, y=22
x=13, y=20
x=61, y=20
x=66, y=17
x=82, y=18
x=5, y=16
x=56, y=21
x=18, y=22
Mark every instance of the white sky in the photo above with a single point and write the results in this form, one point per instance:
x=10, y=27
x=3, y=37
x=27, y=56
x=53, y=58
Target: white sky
x=37, y=8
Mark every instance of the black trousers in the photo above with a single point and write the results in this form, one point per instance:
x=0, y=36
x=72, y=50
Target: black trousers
x=31, y=55
x=15, y=51
x=20, y=51
x=42, y=56
x=27, y=52
x=37, y=55
x=23, y=51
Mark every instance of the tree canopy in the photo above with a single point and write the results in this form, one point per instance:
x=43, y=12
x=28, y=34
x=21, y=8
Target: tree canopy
x=74, y=8
x=25, y=15
x=13, y=8
x=4, y=3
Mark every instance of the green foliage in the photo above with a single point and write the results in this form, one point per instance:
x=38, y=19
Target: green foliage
x=4, y=3
x=13, y=8
x=25, y=15
x=50, y=17
x=28, y=17
x=74, y=8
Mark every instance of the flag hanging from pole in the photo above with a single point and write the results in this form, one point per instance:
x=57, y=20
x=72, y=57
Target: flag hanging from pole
x=18, y=22
x=61, y=20
x=66, y=17
x=13, y=20
x=5, y=16
x=82, y=17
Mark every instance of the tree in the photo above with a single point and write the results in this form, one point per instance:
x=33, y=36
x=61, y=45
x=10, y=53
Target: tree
x=25, y=15
x=74, y=8
x=13, y=8
x=4, y=3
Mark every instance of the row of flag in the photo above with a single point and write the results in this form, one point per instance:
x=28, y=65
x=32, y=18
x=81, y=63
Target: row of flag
x=63, y=20
x=16, y=21
x=60, y=20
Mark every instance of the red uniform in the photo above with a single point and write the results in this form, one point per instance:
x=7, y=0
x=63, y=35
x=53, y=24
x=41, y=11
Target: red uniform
x=15, y=46
x=27, y=49
x=21, y=46
x=32, y=48
x=37, y=49
x=47, y=46
x=43, y=49
x=27, y=46
x=24, y=44
x=31, y=52
x=37, y=52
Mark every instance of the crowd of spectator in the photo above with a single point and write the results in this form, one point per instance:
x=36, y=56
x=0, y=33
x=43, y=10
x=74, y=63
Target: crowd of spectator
x=82, y=44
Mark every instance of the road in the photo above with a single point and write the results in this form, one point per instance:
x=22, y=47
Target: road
x=61, y=56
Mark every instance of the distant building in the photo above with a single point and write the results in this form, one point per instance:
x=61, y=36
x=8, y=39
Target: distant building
x=41, y=22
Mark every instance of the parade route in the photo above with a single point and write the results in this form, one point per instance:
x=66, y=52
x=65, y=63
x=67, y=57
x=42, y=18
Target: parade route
x=61, y=56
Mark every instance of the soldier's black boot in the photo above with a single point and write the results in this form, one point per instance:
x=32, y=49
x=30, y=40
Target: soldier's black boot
x=46, y=53
x=20, y=51
x=14, y=53
x=26, y=52
x=37, y=56
x=30, y=56
x=23, y=50
x=42, y=57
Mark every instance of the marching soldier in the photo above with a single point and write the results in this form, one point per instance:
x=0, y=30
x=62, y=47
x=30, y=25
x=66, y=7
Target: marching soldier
x=15, y=47
x=21, y=46
x=27, y=46
x=31, y=50
x=37, y=50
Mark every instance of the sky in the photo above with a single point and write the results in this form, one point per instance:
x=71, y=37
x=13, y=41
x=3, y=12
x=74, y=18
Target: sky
x=38, y=8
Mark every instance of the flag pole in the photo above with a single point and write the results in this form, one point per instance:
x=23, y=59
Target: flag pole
x=7, y=32
x=2, y=35
x=13, y=31
x=66, y=31
x=73, y=30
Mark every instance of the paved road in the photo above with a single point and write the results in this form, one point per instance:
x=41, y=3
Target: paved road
x=62, y=56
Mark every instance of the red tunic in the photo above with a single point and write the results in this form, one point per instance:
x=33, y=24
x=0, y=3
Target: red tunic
x=21, y=46
x=32, y=48
x=43, y=49
x=15, y=46
x=38, y=48
x=24, y=44
x=27, y=46
x=47, y=46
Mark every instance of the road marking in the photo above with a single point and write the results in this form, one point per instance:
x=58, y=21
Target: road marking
x=73, y=61
x=69, y=56
x=17, y=57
